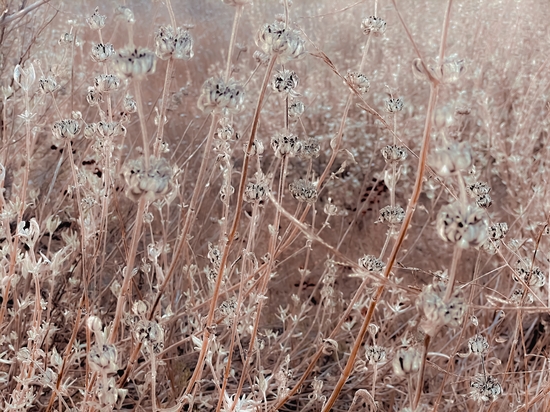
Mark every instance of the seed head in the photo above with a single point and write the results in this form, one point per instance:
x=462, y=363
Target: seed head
x=106, y=82
x=529, y=273
x=102, y=51
x=94, y=96
x=132, y=62
x=462, y=224
x=438, y=312
x=303, y=190
x=478, y=345
x=176, y=43
x=47, y=84
x=96, y=21
x=485, y=388
x=285, y=81
x=65, y=129
x=276, y=39
x=371, y=263
x=221, y=96
x=373, y=25
x=130, y=105
x=406, y=361
x=394, y=153
x=151, y=183
x=309, y=148
x=392, y=215
x=284, y=143
x=375, y=354
x=296, y=109
x=358, y=82
x=497, y=231
x=455, y=157
x=394, y=105
x=103, y=358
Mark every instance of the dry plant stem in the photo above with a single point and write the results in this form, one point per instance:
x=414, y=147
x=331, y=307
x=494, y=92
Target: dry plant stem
x=396, y=247
x=128, y=271
x=238, y=13
x=420, y=382
x=142, y=124
x=452, y=276
x=162, y=112
x=200, y=363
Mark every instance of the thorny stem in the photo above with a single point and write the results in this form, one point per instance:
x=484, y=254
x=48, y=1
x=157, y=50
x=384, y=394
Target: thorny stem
x=200, y=363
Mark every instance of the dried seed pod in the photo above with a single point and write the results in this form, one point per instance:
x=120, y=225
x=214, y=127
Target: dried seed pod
x=296, y=109
x=394, y=153
x=176, y=43
x=309, y=149
x=285, y=81
x=375, y=354
x=485, y=388
x=529, y=273
x=106, y=82
x=278, y=39
x=303, y=190
x=394, y=105
x=357, y=81
x=478, y=345
x=133, y=62
x=153, y=182
x=93, y=96
x=462, y=224
x=406, y=361
x=65, y=129
x=392, y=215
x=497, y=231
x=96, y=21
x=373, y=25
x=284, y=143
x=218, y=95
x=371, y=263
x=102, y=52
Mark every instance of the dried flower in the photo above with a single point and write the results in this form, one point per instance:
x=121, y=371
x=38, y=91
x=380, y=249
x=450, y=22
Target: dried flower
x=103, y=358
x=357, y=81
x=497, y=231
x=257, y=190
x=280, y=40
x=94, y=96
x=394, y=105
x=296, y=109
x=106, y=82
x=173, y=43
x=130, y=105
x=375, y=354
x=284, y=143
x=126, y=14
x=529, y=273
x=47, y=84
x=372, y=264
x=437, y=311
x=394, y=153
x=285, y=81
x=153, y=182
x=132, y=62
x=218, y=95
x=455, y=157
x=485, y=388
x=373, y=25
x=303, y=190
x=151, y=334
x=462, y=224
x=309, y=148
x=392, y=215
x=65, y=129
x=96, y=21
x=406, y=361
x=102, y=51
x=478, y=345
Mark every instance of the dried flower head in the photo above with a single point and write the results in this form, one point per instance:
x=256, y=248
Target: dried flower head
x=278, y=39
x=296, y=109
x=437, y=311
x=65, y=129
x=375, y=354
x=462, y=224
x=109, y=130
x=129, y=104
x=218, y=95
x=47, y=84
x=284, y=143
x=309, y=148
x=497, y=231
x=394, y=105
x=455, y=157
x=151, y=334
x=303, y=190
x=176, y=43
x=103, y=358
x=371, y=263
x=102, y=51
x=392, y=215
x=529, y=273
x=285, y=81
x=485, y=388
x=357, y=81
x=106, y=82
x=406, y=361
x=478, y=345
x=153, y=182
x=373, y=25
x=132, y=62
x=93, y=96
x=394, y=153
x=96, y=21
